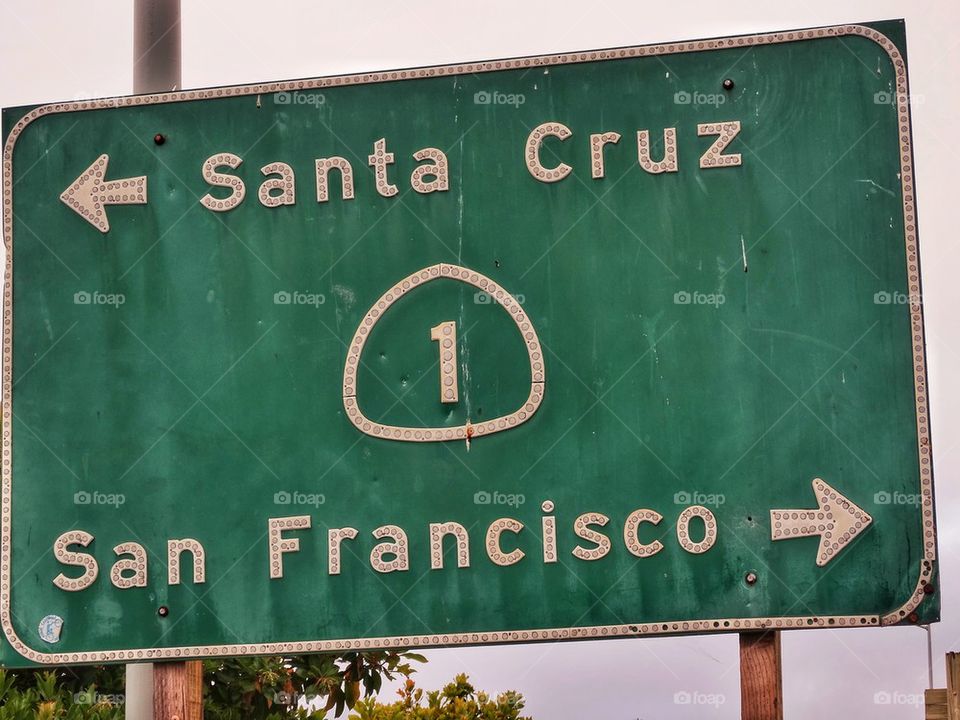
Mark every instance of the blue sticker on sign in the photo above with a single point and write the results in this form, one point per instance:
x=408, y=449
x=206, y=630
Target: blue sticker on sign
x=50, y=628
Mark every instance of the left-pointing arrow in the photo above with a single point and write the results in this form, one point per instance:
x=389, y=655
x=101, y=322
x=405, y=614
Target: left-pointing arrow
x=90, y=193
x=837, y=521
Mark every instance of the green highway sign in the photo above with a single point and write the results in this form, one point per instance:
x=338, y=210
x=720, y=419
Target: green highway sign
x=604, y=344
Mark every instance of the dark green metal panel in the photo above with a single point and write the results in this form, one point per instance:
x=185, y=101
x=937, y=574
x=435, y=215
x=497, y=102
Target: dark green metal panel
x=201, y=399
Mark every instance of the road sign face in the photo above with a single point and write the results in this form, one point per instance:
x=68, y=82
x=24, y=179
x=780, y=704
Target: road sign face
x=579, y=346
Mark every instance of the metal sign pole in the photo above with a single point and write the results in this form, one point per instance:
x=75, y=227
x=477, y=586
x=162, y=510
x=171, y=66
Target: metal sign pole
x=156, y=46
x=138, y=700
x=156, y=68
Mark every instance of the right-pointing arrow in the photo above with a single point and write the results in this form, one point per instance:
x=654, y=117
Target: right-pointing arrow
x=837, y=521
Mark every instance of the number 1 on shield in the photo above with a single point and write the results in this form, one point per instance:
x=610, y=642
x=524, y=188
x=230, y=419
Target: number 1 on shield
x=445, y=334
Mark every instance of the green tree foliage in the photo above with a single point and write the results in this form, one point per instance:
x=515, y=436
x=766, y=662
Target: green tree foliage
x=271, y=688
x=457, y=701
x=274, y=687
x=55, y=695
x=260, y=688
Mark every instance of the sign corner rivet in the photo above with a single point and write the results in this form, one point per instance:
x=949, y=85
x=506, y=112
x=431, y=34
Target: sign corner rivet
x=728, y=84
x=750, y=578
x=159, y=139
x=163, y=611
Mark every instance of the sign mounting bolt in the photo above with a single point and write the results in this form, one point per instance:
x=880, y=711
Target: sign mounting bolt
x=728, y=84
x=159, y=139
x=750, y=578
x=163, y=611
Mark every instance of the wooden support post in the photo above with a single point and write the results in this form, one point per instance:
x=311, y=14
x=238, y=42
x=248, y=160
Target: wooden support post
x=935, y=704
x=761, y=676
x=953, y=686
x=944, y=704
x=178, y=690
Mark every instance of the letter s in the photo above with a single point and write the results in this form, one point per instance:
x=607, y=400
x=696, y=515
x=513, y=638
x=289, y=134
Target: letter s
x=75, y=559
x=218, y=179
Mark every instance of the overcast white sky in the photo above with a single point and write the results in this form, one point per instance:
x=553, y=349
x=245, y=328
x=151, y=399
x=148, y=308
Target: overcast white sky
x=56, y=50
